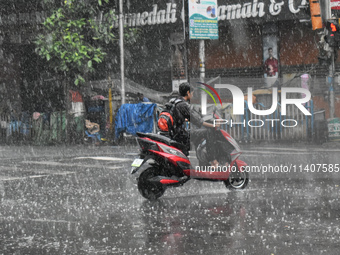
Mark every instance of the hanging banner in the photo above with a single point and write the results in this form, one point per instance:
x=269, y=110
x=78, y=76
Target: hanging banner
x=203, y=20
x=178, y=60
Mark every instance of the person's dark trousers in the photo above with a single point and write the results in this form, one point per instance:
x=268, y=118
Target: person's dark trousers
x=198, y=135
x=208, y=134
x=182, y=136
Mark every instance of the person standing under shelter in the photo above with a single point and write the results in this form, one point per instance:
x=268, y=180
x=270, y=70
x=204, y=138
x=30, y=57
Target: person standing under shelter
x=142, y=98
x=93, y=130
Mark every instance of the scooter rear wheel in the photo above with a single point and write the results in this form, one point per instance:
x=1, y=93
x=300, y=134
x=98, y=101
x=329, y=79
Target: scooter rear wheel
x=147, y=189
x=237, y=180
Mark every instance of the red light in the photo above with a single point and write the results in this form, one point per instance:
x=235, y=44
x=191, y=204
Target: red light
x=333, y=27
x=166, y=181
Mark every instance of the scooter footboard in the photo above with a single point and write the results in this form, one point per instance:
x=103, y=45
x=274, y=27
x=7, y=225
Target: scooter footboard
x=242, y=166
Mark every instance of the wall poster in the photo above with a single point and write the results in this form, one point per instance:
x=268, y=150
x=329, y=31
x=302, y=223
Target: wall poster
x=270, y=59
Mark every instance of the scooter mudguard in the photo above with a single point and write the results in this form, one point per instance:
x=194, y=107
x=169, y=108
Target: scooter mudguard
x=241, y=165
x=138, y=163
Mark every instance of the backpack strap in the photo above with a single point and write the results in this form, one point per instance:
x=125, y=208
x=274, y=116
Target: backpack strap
x=178, y=100
x=174, y=102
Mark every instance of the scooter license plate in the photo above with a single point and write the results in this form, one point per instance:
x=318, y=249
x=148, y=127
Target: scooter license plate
x=137, y=162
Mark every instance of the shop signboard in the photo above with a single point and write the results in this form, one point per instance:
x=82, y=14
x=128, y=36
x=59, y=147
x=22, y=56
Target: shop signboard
x=335, y=8
x=334, y=129
x=178, y=60
x=203, y=20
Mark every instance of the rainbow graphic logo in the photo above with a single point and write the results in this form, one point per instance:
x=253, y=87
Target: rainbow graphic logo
x=209, y=93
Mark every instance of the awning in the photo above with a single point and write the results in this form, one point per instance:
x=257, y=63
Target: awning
x=131, y=87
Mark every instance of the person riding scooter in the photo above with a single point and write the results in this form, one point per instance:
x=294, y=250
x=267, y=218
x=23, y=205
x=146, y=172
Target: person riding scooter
x=164, y=162
x=184, y=112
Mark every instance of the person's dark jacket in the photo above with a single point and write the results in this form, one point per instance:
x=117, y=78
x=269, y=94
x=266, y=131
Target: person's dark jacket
x=182, y=112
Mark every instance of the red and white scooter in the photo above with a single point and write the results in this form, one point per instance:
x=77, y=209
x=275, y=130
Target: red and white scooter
x=170, y=167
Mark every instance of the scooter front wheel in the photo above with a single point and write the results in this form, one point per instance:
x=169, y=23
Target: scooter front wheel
x=147, y=189
x=237, y=180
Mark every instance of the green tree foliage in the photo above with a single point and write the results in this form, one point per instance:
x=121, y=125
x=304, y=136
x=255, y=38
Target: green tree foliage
x=75, y=34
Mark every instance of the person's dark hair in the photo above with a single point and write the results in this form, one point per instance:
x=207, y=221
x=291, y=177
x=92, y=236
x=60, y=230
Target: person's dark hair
x=270, y=48
x=184, y=88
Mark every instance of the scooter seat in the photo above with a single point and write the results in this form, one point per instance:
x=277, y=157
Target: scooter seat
x=163, y=139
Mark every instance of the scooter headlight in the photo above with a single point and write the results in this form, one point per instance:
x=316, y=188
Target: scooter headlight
x=183, y=165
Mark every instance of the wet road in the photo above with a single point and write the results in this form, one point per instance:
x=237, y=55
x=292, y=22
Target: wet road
x=84, y=201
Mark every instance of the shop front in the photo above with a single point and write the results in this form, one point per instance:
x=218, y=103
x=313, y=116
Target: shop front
x=262, y=43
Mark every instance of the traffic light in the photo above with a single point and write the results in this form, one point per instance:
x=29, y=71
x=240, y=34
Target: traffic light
x=333, y=35
x=315, y=12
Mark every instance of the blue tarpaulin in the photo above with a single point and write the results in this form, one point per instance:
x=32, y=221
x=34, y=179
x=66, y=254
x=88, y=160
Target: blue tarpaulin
x=132, y=118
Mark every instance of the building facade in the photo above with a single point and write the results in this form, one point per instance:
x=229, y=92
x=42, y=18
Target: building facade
x=162, y=55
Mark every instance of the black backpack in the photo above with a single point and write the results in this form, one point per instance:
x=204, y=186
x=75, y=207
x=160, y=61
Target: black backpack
x=166, y=120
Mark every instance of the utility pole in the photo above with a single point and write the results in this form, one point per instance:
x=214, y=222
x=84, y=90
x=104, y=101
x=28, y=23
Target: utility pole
x=121, y=43
x=331, y=68
x=202, y=75
x=203, y=25
x=110, y=107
